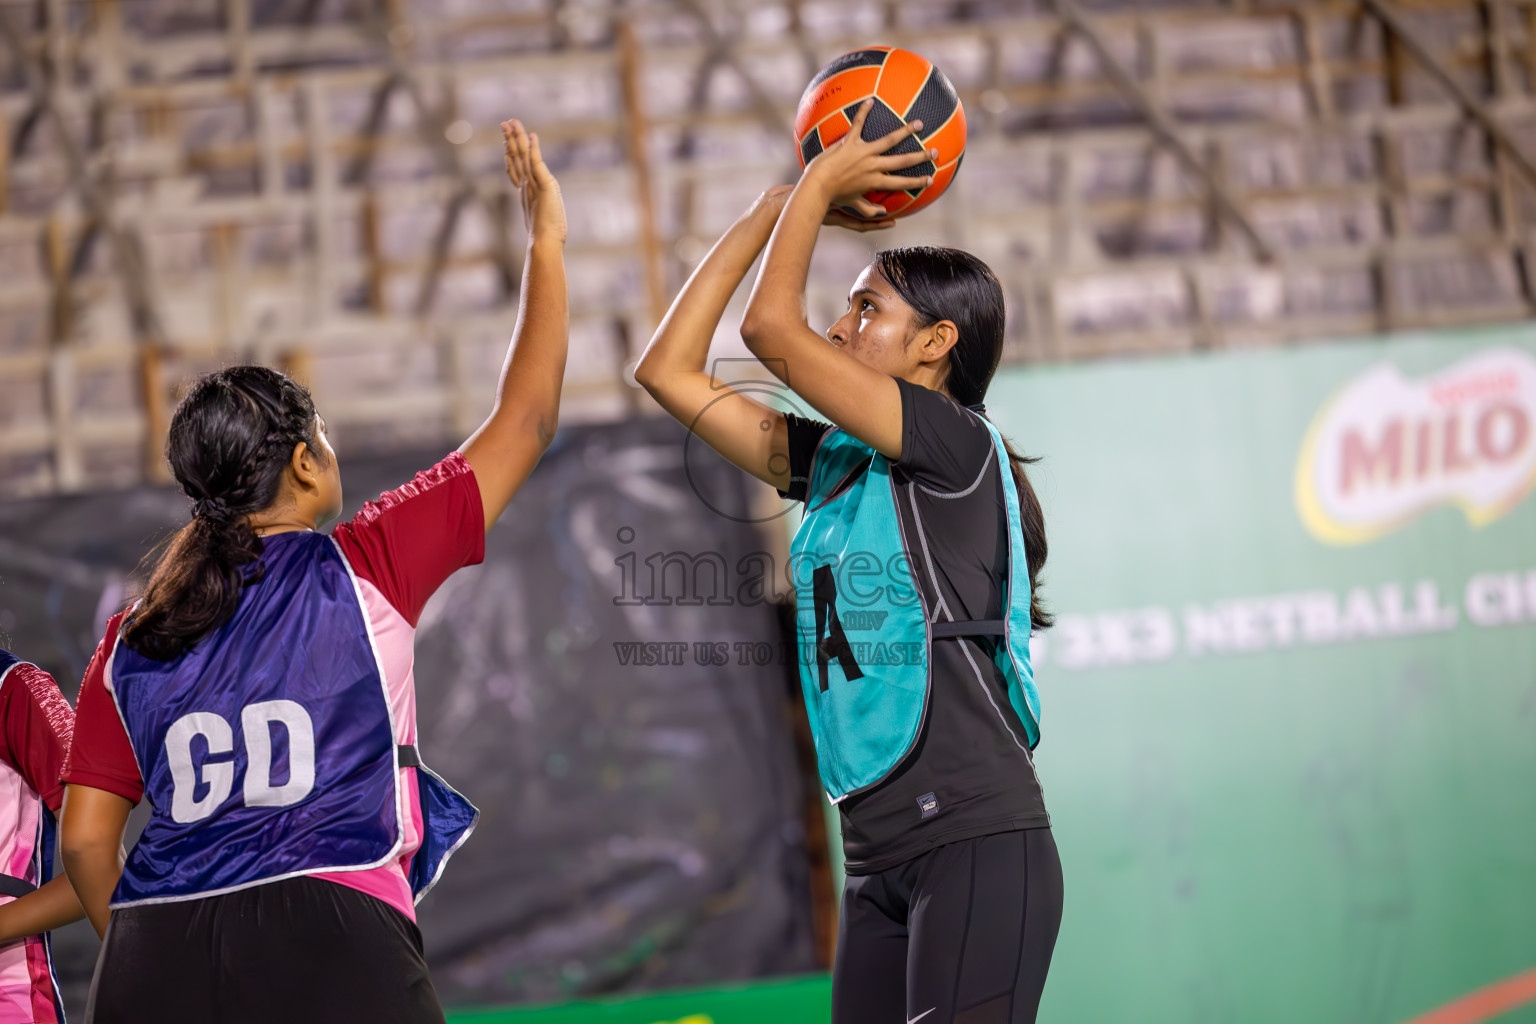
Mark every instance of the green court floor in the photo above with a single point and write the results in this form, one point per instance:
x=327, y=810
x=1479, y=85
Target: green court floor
x=804, y=1000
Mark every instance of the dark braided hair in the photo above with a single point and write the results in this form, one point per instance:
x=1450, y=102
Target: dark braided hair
x=230, y=441
x=951, y=284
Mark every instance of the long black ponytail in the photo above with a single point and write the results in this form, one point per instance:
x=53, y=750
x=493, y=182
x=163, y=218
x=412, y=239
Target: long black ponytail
x=951, y=284
x=230, y=441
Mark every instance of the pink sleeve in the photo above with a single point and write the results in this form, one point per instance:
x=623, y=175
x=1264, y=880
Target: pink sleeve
x=38, y=724
x=414, y=537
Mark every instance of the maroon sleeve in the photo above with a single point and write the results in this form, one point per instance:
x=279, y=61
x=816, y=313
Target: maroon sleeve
x=413, y=538
x=100, y=755
x=38, y=724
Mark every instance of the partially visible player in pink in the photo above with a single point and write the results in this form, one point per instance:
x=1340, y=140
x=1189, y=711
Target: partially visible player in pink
x=35, y=726
x=275, y=881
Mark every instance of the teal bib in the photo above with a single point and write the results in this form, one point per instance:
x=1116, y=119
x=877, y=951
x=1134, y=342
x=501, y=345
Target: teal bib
x=863, y=629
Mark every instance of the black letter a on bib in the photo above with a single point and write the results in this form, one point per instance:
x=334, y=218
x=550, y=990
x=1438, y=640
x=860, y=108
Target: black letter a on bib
x=831, y=641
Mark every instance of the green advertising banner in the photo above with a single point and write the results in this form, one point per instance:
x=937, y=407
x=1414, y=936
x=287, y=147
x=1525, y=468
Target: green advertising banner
x=1289, y=731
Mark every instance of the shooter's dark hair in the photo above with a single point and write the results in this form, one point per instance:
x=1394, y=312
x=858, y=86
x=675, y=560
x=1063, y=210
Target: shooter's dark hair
x=950, y=284
x=230, y=441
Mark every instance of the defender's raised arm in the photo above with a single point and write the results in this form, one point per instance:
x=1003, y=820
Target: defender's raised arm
x=520, y=427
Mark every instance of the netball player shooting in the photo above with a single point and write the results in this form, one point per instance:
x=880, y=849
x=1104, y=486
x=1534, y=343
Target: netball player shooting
x=954, y=890
x=261, y=695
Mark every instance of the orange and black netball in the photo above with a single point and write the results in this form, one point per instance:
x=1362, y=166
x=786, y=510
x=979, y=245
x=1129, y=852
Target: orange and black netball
x=906, y=87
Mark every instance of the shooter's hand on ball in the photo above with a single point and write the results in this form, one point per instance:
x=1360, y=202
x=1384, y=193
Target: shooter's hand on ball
x=850, y=167
x=771, y=203
x=543, y=207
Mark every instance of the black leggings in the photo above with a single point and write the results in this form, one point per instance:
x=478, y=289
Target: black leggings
x=300, y=951
x=961, y=935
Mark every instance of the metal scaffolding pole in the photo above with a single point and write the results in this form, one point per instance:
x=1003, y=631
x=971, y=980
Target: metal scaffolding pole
x=1161, y=124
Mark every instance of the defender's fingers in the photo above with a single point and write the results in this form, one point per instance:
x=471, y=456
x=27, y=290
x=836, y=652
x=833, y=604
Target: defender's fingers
x=513, y=171
x=520, y=151
x=541, y=171
x=516, y=166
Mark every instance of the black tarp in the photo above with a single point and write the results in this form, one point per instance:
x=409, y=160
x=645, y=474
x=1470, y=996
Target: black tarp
x=642, y=823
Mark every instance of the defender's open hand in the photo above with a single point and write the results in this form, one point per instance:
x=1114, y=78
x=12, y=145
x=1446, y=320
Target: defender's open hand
x=543, y=207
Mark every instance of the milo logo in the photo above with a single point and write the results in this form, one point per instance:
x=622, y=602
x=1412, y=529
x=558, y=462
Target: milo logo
x=1386, y=448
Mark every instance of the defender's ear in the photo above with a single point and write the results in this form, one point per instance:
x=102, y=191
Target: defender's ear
x=305, y=466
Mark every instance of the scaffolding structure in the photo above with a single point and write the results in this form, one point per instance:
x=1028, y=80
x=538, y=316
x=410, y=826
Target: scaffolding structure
x=318, y=185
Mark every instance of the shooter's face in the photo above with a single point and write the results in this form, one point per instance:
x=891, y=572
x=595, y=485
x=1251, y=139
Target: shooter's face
x=878, y=327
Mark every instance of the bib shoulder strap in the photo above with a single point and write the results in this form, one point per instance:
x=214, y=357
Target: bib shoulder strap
x=848, y=480
x=10, y=885
x=969, y=627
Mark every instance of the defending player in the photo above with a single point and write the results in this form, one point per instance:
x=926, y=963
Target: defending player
x=36, y=723
x=261, y=694
x=919, y=514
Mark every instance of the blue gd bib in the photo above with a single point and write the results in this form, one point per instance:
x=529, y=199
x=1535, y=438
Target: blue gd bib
x=852, y=567
x=268, y=749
